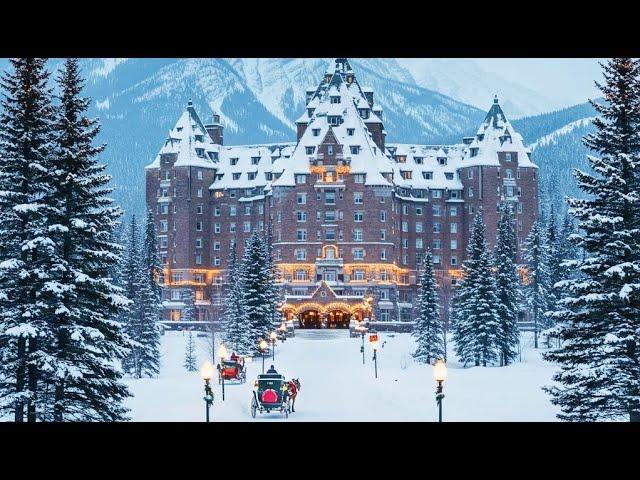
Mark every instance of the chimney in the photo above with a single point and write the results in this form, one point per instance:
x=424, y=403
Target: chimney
x=215, y=130
x=368, y=94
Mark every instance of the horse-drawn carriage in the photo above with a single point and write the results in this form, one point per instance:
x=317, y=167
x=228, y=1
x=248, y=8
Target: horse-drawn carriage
x=232, y=369
x=271, y=392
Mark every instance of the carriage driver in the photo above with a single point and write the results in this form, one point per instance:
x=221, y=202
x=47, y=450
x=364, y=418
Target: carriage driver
x=272, y=369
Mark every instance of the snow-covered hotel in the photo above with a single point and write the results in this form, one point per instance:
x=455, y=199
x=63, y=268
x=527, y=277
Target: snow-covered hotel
x=351, y=216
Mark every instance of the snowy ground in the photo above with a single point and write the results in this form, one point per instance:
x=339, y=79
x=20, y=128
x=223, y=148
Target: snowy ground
x=337, y=387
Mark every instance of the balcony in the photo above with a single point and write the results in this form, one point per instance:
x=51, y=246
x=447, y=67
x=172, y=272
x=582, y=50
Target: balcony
x=165, y=183
x=509, y=182
x=329, y=262
x=164, y=200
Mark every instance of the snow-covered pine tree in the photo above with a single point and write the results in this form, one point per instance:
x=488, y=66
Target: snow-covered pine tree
x=151, y=258
x=536, y=291
x=190, y=353
x=235, y=324
x=26, y=251
x=83, y=374
x=428, y=329
x=274, y=290
x=599, y=314
x=188, y=299
x=507, y=285
x=477, y=323
x=254, y=283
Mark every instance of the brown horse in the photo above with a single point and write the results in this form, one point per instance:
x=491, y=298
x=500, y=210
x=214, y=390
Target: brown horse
x=294, y=388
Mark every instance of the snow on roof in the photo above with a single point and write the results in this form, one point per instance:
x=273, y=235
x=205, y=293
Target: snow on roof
x=427, y=171
x=243, y=167
x=190, y=142
x=496, y=134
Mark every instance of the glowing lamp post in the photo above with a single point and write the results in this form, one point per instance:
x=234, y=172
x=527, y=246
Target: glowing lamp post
x=206, y=372
x=440, y=375
x=273, y=337
x=263, y=348
x=361, y=329
x=374, y=345
x=222, y=352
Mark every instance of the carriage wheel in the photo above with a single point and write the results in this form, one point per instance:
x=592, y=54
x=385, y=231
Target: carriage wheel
x=254, y=405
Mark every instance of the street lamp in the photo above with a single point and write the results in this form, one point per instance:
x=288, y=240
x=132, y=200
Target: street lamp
x=263, y=347
x=222, y=351
x=440, y=375
x=374, y=345
x=273, y=337
x=206, y=371
x=361, y=330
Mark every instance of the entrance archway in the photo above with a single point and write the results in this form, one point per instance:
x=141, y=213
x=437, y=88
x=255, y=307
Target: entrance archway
x=310, y=319
x=338, y=319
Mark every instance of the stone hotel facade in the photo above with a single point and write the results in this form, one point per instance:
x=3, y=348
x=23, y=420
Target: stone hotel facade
x=351, y=216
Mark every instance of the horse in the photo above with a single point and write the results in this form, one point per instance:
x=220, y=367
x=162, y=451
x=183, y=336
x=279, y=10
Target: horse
x=294, y=388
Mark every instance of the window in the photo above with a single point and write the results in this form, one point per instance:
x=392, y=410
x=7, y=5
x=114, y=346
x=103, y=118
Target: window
x=453, y=211
x=330, y=234
x=316, y=132
x=418, y=227
x=518, y=174
x=358, y=254
x=358, y=275
x=448, y=175
x=454, y=261
x=246, y=227
x=359, y=178
x=519, y=207
x=358, y=216
x=216, y=211
x=418, y=160
x=509, y=191
x=507, y=156
x=232, y=210
x=301, y=179
x=329, y=149
x=436, y=227
x=260, y=209
x=454, y=244
x=232, y=193
x=164, y=242
x=436, y=259
x=301, y=216
x=498, y=173
x=436, y=244
x=383, y=215
x=236, y=176
x=470, y=193
x=474, y=152
x=329, y=216
x=301, y=254
x=216, y=261
x=355, y=149
x=357, y=235
x=232, y=227
x=301, y=275
x=427, y=175
x=519, y=191
x=251, y=175
x=405, y=243
x=436, y=193
x=405, y=226
x=164, y=210
x=406, y=174
x=330, y=198
x=199, y=209
x=470, y=173
x=454, y=228
x=351, y=131
x=199, y=174
x=216, y=228
x=383, y=254
x=301, y=235
x=310, y=150
x=198, y=226
x=358, y=198
x=198, y=243
x=436, y=210
x=335, y=99
x=419, y=243
x=301, y=198
x=405, y=259
x=247, y=209
x=509, y=173
x=383, y=235
x=216, y=245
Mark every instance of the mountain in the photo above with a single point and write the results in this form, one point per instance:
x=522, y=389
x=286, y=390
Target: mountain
x=465, y=81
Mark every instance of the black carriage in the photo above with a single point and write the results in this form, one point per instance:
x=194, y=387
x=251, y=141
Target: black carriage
x=270, y=393
x=232, y=370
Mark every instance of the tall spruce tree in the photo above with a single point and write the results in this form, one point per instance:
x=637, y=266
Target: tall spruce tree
x=477, y=322
x=235, y=323
x=536, y=290
x=187, y=297
x=190, y=359
x=507, y=285
x=255, y=289
x=27, y=251
x=599, y=314
x=85, y=381
x=428, y=329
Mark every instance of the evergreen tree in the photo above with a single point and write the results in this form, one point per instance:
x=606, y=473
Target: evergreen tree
x=84, y=380
x=477, y=322
x=235, y=323
x=189, y=309
x=27, y=251
x=536, y=290
x=274, y=291
x=428, y=329
x=190, y=353
x=599, y=314
x=507, y=286
x=255, y=289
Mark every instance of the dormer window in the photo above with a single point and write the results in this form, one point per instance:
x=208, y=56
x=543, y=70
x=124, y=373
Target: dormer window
x=199, y=138
x=507, y=156
x=480, y=137
x=474, y=152
x=442, y=160
x=401, y=158
x=200, y=152
x=213, y=156
x=418, y=160
x=233, y=161
x=236, y=176
x=355, y=149
x=310, y=111
x=407, y=174
x=316, y=132
x=427, y=175
x=329, y=149
x=251, y=175
x=351, y=131
x=448, y=175
x=334, y=120
x=364, y=113
x=310, y=150
x=179, y=129
x=255, y=160
x=335, y=99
